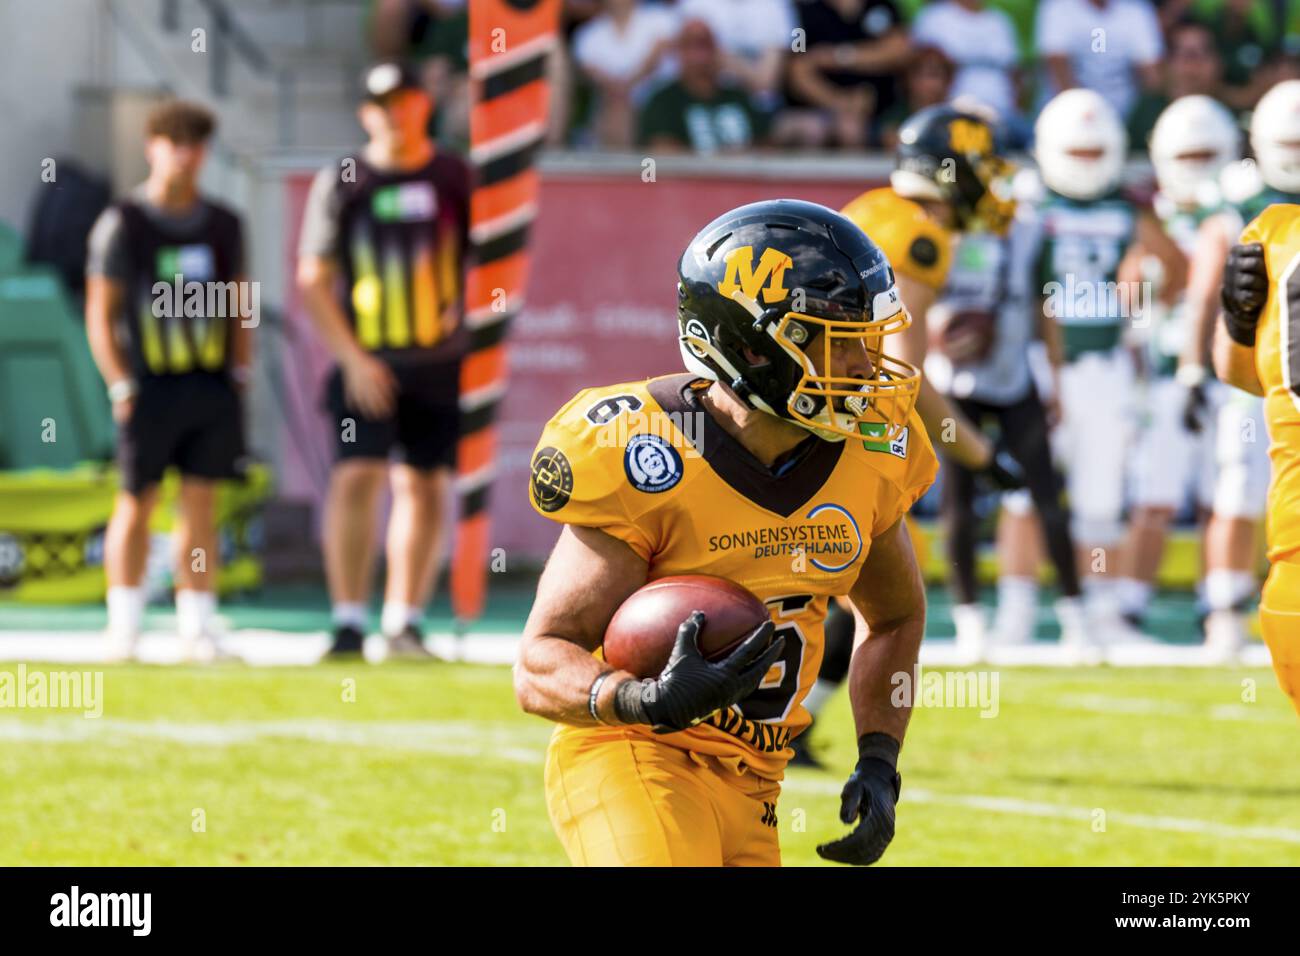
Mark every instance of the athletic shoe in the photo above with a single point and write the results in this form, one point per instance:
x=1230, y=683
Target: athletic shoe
x=204, y=649
x=409, y=645
x=119, y=648
x=972, y=633
x=1225, y=636
x=347, y=642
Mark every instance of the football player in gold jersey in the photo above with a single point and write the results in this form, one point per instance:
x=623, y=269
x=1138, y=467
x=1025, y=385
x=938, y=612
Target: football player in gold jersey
x=949, y=180
x=1256, y=349
x=784, y=460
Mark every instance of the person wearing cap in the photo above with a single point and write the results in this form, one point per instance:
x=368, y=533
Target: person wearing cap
x=381, y=261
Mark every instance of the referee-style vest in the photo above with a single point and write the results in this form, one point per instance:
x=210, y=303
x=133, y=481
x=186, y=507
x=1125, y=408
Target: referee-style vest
x=169, y=334
x=402, y=239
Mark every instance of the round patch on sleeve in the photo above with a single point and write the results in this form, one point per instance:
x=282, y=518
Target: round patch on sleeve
x=651, y=464
x=923, y=251
x=552, y=479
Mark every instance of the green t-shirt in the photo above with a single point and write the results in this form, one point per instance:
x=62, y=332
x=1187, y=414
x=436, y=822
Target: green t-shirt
x=724, y=121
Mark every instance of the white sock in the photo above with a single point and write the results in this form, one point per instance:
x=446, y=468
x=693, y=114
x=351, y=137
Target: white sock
x=1224, y=588
x=194, y=612
x=1017, y=592
x=349, y=614
x=395, y=617
x=821, y=691
x=1134, y=595
x=125, y=612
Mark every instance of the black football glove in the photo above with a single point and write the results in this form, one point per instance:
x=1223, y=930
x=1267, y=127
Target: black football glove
x=1004, y=471
x=1195, y=405
x=690, y=687
x=869, y=798
x=1245, y=289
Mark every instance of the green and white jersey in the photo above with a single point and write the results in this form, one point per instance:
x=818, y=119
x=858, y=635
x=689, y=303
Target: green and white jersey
x=1169, y=328
x=1247, y=209
x=1082, y=245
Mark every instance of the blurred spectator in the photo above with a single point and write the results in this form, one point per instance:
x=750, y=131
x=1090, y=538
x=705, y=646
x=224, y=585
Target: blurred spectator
x=844, y=74
x=699, y=111
x=927, y=82
x=982, y=44
x=434, y=35
x=754, y=36
x=1111, y=46
x=1193, y=67
x=1251, y=46
x=618, y=51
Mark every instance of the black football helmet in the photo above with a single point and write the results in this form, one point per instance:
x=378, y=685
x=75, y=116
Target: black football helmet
x=766, y=291
x=951, y=155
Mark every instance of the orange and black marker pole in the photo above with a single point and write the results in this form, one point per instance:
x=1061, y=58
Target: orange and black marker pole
x=510, y=43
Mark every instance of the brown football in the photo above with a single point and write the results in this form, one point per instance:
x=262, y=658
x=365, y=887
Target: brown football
x=642, y=632
x=966, y=336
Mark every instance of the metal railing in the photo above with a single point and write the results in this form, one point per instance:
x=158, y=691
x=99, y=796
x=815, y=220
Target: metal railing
x=229, y=37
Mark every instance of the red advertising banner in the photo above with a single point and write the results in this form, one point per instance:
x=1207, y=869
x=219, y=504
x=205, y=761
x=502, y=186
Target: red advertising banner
x=601, y=309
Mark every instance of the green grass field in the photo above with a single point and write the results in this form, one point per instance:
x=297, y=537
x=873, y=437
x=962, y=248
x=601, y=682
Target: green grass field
x=435, y=765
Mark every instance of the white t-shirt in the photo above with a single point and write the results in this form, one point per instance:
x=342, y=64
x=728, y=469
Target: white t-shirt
x=599, y=44
x=983, y=45
x=1103, y=44
x=744, y=27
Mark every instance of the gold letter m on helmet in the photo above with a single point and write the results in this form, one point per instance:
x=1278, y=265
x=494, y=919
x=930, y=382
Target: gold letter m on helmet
x=742, y=275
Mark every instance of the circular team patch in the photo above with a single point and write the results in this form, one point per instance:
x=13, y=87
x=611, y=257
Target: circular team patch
x=552, y=479
x=652, y=465
x=924, y=251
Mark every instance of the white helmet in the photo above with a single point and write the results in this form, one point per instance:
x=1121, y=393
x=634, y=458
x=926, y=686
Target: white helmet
x=1079, y=119
x=1194, y=138
x=1275, y=136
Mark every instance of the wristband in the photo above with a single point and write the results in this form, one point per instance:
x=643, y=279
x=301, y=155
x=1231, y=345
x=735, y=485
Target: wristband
x=122, y=390
x=627, y=702
x=878, y=746
x=595, y=691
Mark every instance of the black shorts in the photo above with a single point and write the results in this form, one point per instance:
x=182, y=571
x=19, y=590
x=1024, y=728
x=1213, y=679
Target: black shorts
x=193, y=421
x=423, y=430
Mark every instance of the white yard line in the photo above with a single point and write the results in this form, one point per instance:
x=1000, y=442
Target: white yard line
x=1056, y=811
x=502, y=741
x=1149, y=706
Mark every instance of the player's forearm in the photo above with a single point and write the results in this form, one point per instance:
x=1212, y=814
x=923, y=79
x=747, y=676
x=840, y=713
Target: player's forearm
x=326, y=315
x=1235, y=364
x=554, y=677
x=99, y=332
x=1204, y=280
x=951, y=432
x=888, y=655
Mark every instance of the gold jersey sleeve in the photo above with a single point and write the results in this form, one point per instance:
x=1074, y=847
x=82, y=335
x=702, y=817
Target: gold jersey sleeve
x=916, y=245
x=910, y=470
x=1277, y=363
x=578, y=474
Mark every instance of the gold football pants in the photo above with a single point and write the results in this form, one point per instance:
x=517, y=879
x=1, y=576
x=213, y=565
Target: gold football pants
x=621, y=798
x=1279, y=619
